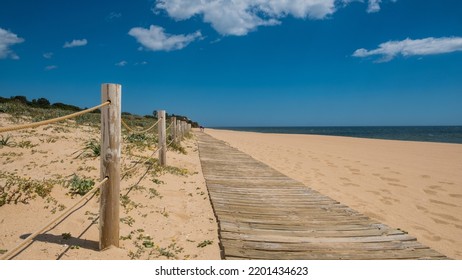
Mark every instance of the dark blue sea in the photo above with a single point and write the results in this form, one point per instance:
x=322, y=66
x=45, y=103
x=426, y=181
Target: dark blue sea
x=443, y=134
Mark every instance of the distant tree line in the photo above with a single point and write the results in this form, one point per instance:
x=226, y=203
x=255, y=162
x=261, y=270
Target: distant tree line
x=39, y=103
x=45, y=104
x=180, y=118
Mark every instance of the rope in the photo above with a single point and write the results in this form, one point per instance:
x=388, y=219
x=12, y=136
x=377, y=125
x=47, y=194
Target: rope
x=138, y=131
x=45, y=227
x=134, y=167
x=168, y=127
x=170, y=143
x=31, y=125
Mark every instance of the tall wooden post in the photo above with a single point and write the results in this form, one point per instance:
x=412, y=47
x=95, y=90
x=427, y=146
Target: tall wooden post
x=178, y=127
x=110, y=166
x=174, y=132
x=162, y=138
x=182, y=130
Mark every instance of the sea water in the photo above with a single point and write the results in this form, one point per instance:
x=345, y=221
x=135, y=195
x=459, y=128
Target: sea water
x=443, y=134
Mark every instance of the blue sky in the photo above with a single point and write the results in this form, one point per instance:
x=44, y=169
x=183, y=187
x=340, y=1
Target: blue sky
x=243, y=62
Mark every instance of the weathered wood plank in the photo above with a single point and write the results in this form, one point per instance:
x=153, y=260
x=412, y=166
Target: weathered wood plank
x=301, y=247
x=334, y=254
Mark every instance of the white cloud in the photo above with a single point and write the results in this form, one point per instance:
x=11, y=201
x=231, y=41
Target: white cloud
x=155, y=38
x=75, y=43
x=51, y=67
x=121, y=63
x=48, y=55
x=373, y=6
x=113, y=16
x=239, y=17
x=409, y=47
x=7, y=39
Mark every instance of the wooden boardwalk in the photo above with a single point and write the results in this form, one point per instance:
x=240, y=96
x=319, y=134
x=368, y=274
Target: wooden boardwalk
x=263, y=214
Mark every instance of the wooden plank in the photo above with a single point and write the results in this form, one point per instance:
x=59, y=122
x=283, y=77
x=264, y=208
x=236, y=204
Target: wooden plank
x=303, y=239
x=334, y=255
x=301, y=247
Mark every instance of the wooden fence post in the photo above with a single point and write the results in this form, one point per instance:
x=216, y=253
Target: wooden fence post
x=162, y=138
x=174, y=132
x=178, y=127
x=110, y=166
x=182, y=130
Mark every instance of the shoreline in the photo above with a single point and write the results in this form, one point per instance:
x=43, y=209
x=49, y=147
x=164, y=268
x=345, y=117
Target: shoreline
x=414, y=186
x=425, y=134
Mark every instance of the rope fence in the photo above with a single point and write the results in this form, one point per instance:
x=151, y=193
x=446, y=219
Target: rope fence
x=111, y=123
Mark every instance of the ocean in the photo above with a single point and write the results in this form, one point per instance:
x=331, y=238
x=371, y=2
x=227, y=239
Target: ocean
x=442, y=134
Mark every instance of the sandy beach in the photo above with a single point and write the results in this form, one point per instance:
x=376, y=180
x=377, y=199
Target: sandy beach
x=413, y=186
x=165, y=213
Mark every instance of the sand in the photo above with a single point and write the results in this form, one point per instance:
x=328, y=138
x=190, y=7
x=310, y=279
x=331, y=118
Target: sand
x=164, y=216
x=413, y=186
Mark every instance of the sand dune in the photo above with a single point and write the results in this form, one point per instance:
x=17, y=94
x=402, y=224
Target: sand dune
x=414, y=186
x=165, y=214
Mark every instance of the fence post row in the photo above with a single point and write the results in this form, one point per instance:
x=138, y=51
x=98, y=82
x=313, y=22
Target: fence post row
x=110, y=165
x=110, y=157
x=162, y=138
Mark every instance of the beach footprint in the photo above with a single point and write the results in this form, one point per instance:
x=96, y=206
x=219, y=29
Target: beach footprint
x=436, y=188
x=434, y=201
x=344, y=179
x=397, y=185
x=446, y=183
x=430, y=192
x=388, y=179
x=350, y=185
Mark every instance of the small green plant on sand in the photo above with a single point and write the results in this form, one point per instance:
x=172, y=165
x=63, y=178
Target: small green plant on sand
x=154, y=193
x=6, y=142
x=66, y=235
x=204, y=243
x=171, y=251
x=16, y=189
x=128, y=220
x=92, y=148
x=26, y=144
x=128, y=204
x=80, y=186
